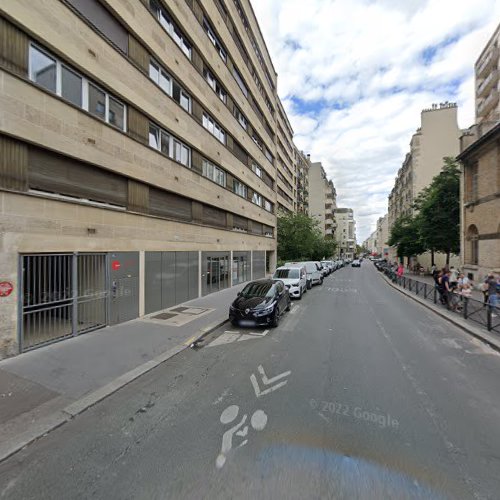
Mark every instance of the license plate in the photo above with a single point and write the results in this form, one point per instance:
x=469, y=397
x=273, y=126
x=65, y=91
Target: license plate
x=246, y=322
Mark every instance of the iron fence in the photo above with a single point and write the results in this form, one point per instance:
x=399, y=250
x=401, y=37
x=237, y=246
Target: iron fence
x=468, y=308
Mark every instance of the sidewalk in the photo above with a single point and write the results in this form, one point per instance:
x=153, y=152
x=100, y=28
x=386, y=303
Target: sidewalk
x=42, y=389
x=476, y=294
x=490, y=338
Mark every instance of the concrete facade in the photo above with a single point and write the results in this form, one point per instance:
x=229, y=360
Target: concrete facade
x=322, y=200
x=198, y=74
x=487, y=83
x=346, y=232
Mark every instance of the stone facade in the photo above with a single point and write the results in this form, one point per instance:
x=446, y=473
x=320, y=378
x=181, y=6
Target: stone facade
x=322, y=200
x=346, y=232
x=215, y=183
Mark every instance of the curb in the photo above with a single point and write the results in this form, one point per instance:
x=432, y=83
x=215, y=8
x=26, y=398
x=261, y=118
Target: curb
x=475, y=332
x=60, y=417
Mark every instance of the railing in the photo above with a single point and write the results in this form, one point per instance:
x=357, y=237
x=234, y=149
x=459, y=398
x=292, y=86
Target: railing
x=471, y=309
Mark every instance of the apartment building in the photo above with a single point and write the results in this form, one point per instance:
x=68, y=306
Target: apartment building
x=487, y=83
x=286, y=163
x=322, y=199
x=480, y=158
x=371, y=243
x=346, y=232
x=138, y=160
x=437, y=137
x=382, y=236
x=303, y=165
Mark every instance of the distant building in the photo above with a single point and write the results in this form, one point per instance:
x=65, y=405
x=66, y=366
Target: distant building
x=322, y=199
x=346, y=232
x=383, y=236
x=437, y=138
x=303, y=167
x=371, y=243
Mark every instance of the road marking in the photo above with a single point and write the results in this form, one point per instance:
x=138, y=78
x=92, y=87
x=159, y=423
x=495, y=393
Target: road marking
x=267, y=381
x=229, y=336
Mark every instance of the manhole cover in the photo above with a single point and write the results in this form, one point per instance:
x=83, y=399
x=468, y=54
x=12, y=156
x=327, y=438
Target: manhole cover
x=179, y=309
x=164, y=316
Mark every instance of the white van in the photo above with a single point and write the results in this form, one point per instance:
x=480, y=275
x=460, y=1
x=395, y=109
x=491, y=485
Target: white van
x=314, y=275
x=295, y=279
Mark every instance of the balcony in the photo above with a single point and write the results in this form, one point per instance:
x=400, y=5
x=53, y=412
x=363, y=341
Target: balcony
x=487, y=62
x=485, y=106
x=485, y=86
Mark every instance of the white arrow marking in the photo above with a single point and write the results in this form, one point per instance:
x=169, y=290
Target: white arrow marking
x=266, y=381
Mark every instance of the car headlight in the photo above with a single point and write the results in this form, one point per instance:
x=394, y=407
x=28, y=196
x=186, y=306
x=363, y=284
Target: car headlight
x=265, y=310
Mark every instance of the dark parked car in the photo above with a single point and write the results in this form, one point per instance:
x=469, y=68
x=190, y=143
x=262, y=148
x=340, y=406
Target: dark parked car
x=261, y=302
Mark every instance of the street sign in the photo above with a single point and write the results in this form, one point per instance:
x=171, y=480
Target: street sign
x=6, y=288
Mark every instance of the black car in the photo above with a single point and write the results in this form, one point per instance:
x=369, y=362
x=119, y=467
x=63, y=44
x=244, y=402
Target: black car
x=260, y=303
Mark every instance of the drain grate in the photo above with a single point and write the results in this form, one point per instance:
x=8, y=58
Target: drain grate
x=165, y=316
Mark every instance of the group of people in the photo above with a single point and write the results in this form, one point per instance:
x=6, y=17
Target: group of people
x=452, y=285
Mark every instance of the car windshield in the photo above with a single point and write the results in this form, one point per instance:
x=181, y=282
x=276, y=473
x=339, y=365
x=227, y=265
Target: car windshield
x=258, y=290
x=286, y=273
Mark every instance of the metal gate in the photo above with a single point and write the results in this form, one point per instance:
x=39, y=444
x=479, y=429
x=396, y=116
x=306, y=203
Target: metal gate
x=63, y=295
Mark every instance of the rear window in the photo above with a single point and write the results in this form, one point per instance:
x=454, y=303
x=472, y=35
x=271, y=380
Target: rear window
x=286, y=273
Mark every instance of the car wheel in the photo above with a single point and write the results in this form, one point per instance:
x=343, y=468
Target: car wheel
x=276, y=318
x=289, y=306
x=321, y=281
x=300, y=294
x=234, y=323
x=309, y=285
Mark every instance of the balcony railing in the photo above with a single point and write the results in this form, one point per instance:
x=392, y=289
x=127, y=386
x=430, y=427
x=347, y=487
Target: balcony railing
x=486, y=64
x=487, y=105
x=484, y=87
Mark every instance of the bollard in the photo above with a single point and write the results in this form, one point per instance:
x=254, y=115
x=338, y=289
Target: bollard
x=466, y=302
x=488, y=317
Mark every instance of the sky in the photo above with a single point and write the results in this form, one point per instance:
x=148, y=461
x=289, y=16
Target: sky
x=354, y=75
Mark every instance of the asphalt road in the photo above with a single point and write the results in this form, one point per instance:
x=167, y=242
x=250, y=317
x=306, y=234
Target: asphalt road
x=361, y=393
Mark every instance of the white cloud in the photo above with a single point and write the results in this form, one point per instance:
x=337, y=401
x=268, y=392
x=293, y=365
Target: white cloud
x=367, y=55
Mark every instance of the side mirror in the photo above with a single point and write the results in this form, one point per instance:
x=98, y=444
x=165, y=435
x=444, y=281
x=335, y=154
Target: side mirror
x=238, y=294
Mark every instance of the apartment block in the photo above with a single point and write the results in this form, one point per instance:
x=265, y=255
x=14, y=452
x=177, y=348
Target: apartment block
x=322, y=199
x=346, y=232
x=488, y=83
x=140, y=160
x=303, y=166
x=436, y=138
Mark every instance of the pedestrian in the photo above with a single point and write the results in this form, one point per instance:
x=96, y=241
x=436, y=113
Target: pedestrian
x=492, y=283
x=445, y=286
x=453, y=277
x=401, y=270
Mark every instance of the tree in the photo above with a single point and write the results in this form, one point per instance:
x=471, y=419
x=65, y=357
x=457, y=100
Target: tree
x=405, y=234
x=299, y=238
x=439, y=211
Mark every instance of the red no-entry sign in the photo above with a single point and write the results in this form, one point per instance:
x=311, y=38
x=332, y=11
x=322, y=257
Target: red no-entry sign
x=6, y=288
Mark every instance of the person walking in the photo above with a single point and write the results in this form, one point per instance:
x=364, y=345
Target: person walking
x=445, y=285
x=492, y=283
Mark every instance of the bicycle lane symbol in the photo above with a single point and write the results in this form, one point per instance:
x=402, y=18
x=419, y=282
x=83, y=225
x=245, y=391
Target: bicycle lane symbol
x=258, y=420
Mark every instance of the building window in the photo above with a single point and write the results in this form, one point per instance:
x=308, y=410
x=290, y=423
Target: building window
x=268, y=154
x=257, y=141
x=240, y=82
x=473, y=239
x=214, y=128
x=214, y=173
x=53, y=75
x=169, y=85
x=215, y=85
x=257, y=199
x=214, y=39
x=169, y=145
x=257, y=170
x=268, y=205
x=240, y=117
x=171, y=28
x=474, y=182
x=239, y=189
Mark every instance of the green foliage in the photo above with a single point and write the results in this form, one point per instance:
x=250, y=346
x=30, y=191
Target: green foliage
x=300, y=239
x=436, y=226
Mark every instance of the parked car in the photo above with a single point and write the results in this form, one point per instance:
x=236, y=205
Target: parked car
x=294, y=278
x=323, y=269
x=329, y=265
x=356, y=263
x=314, y=276
x=260, y=303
